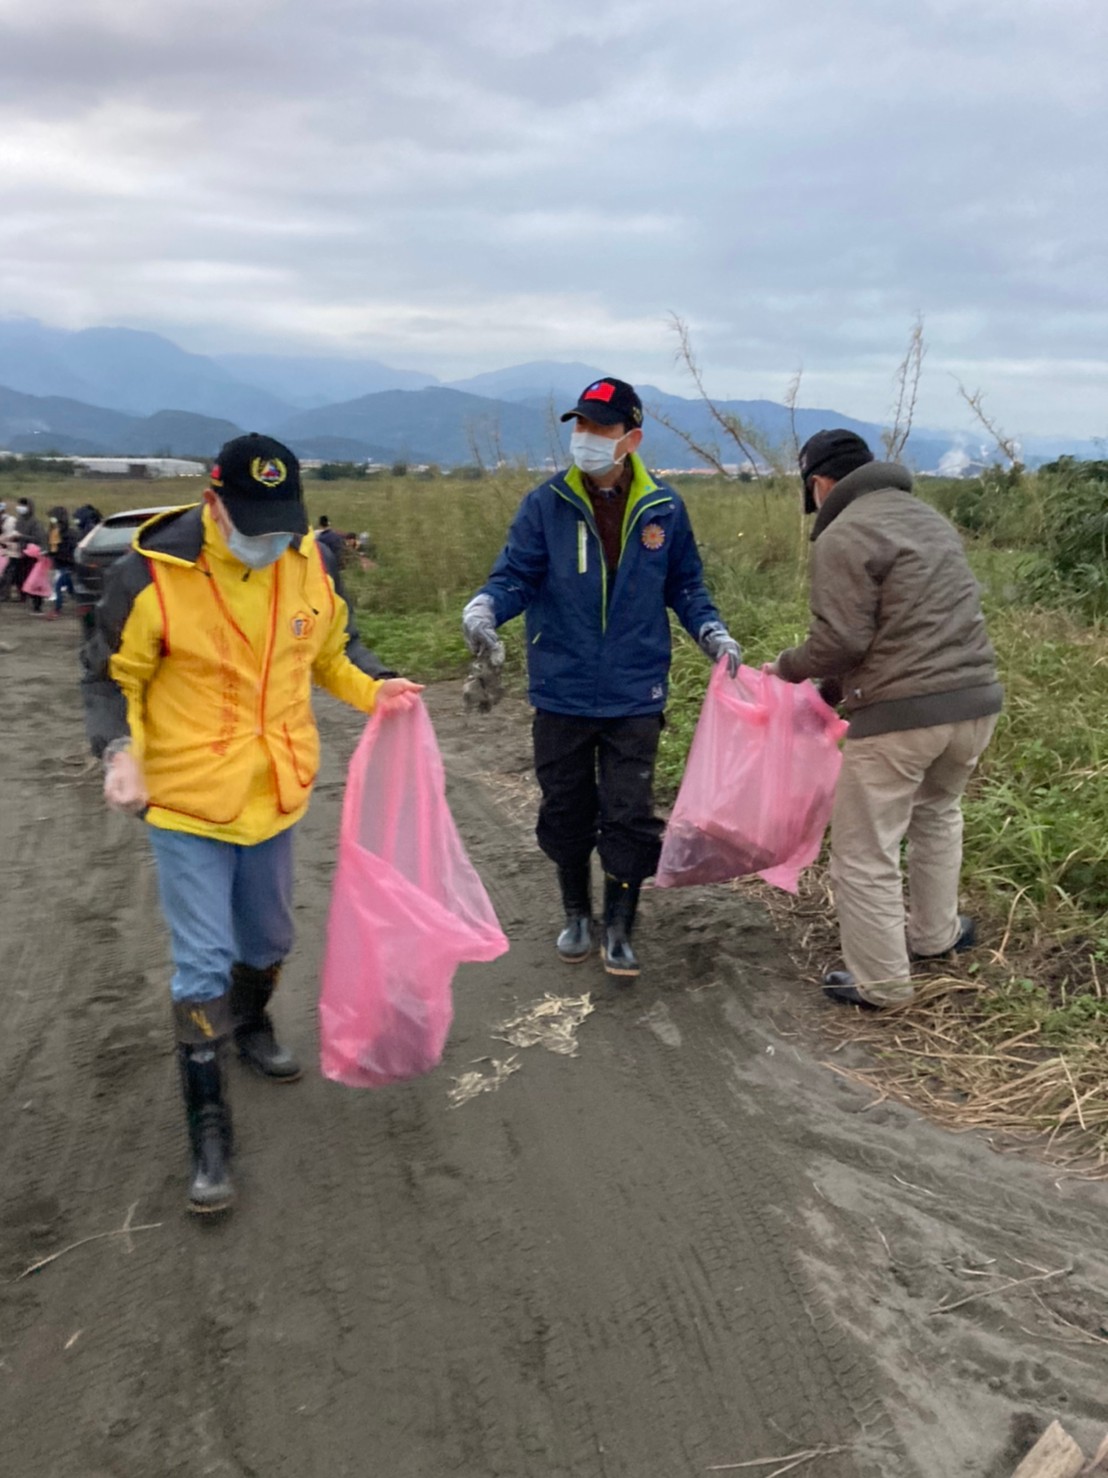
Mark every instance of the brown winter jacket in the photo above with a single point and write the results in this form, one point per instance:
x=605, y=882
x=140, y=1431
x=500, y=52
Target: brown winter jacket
x=896, y=611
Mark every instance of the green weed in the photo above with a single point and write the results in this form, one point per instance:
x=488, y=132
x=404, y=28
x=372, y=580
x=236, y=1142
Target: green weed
x=1056, y=1018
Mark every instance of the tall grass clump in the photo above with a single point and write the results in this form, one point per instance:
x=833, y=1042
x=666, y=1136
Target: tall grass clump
x=434, y=539
x=1037, y=817
x=1070, y=566
x=1002, y=507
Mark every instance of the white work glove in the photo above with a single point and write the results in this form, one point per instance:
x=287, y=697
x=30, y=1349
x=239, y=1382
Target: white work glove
x=479, y=630
x=715, y=641
x=124, y=787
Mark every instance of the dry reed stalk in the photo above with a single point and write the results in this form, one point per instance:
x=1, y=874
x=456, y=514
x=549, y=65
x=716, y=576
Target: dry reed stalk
x=948, y=1052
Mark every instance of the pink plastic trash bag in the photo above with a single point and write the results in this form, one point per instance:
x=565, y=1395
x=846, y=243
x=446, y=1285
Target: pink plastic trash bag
x=40, y=581
x=407, y=908
x=759, y=784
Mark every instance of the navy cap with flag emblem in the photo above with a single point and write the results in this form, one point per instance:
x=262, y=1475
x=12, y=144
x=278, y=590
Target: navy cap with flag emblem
x=608, y=402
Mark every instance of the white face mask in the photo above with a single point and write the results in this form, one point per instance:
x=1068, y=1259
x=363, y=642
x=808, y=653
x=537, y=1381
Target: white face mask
x=594, y=454
x=256, y=551
x=22, y=508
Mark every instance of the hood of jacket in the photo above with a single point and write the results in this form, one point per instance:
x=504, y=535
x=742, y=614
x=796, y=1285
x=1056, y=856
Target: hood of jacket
x=872, y=478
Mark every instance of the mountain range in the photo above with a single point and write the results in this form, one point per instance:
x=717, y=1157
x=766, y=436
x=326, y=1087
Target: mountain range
x=115, y=391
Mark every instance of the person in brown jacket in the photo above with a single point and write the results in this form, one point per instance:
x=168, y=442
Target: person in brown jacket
x=897, y=626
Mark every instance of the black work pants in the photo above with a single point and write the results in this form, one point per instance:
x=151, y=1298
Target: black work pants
x=597, y=781
x=16, y=573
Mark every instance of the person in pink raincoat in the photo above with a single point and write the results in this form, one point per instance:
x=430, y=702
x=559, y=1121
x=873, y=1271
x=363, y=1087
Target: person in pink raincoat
x=40, y=582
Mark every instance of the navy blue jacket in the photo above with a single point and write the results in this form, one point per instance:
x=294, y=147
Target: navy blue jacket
x=599, y=645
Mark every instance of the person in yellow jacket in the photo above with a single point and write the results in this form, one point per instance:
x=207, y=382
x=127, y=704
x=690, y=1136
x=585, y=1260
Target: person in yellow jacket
x=197, y=686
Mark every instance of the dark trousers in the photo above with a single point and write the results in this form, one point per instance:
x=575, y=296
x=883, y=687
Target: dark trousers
x=17, y=572
x=597, y=781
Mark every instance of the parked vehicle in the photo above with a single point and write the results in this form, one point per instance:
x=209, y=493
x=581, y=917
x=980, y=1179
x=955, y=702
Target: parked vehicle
x=99, y=550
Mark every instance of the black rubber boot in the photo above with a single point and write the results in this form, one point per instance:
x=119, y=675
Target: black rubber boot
x=621, y=902
x=250, y=992
x=575, y=941
x=838, y=985
x=202, y=1027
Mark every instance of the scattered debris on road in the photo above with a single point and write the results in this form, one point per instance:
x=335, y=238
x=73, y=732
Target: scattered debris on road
x=469, y=1085
x=1057, y=1455
x=551, y=1023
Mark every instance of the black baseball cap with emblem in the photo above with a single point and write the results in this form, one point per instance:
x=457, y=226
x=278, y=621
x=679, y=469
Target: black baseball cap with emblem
x=259, y=481
x=608, y=402
x=830, y=454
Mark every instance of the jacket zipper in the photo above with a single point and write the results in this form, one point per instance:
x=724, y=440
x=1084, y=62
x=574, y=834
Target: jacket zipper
x=590, y=522
x=639, y=509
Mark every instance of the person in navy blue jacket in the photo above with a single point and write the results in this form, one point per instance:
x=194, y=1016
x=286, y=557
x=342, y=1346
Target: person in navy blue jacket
x=596, y=557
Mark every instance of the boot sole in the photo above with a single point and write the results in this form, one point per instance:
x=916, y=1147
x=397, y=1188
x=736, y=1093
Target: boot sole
x=213, y=1208
x=621, y=971
x=575, y=959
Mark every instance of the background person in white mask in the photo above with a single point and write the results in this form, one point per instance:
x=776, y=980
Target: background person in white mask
x=595, y=556
x=28, y=530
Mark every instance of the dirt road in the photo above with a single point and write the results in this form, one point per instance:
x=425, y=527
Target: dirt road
x=688, y=1245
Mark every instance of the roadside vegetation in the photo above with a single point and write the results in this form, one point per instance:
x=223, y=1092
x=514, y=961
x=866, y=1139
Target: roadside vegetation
x=1016, y=1039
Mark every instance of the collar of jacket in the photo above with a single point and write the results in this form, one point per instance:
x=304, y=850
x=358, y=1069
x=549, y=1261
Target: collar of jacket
x=642, y=485
x=620, y=488
x=871, y=478
x=177, y=537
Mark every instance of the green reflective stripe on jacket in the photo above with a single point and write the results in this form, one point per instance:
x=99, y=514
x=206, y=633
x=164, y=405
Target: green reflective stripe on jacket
x=581, y=502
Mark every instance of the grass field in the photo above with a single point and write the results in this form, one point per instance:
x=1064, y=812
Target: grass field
x=1037, y=814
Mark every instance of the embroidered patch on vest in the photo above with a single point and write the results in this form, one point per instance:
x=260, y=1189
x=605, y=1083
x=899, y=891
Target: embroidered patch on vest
x=301, y=625
x=653, y=536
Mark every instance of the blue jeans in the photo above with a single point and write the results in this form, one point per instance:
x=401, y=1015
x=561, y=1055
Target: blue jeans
x=63, y=580
x=222, y=903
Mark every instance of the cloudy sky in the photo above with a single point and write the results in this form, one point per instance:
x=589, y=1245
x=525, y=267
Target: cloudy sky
x=458, y=186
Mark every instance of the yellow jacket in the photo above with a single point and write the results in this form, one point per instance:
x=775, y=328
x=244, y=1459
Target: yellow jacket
x=208, y=667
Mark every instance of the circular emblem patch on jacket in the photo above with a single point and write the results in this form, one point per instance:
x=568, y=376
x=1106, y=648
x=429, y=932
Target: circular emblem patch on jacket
x=653, y=536
x=268, y=470
x=301, y=625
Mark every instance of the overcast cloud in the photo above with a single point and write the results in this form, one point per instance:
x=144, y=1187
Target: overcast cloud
x=458, y=186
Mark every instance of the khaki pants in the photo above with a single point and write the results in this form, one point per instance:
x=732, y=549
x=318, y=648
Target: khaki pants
x=892, y=786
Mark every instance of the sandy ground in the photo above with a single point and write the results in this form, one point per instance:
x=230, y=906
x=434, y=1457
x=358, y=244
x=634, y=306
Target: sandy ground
x=688, y=1245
